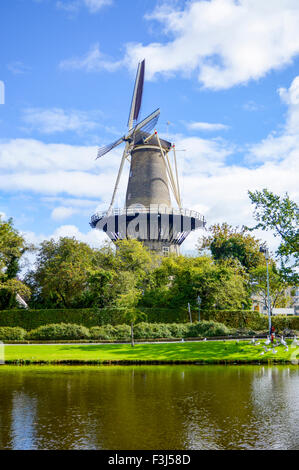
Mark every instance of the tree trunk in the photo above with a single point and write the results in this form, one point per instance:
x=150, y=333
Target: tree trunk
x=132, y=334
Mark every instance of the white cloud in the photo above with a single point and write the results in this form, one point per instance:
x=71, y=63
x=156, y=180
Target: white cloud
x=252, y=106
x=93, y=61
x=60, y=213
x=93, y=6
x=94, y=238
x=55, y=170
x=206, y=126
x=285, y=145
x=54, y=120
x=225, y=42
x=17, y=67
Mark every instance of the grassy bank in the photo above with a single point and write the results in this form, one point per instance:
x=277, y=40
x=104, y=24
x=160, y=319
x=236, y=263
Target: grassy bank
x=198, y=352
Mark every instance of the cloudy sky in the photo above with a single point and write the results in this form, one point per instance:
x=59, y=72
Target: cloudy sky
x=225, y=74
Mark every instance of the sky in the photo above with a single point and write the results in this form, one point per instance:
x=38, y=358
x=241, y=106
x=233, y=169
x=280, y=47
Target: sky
x=225, y=74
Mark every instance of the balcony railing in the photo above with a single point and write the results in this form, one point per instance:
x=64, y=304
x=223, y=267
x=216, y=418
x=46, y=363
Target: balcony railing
x=153, y=209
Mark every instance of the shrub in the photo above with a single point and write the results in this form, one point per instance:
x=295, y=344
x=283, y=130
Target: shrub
x=12, y=334
x=102, y=332
x=111, y=332
x=151, y=330
x=122, y=331
x=59, y=331
x=207, y=328
x=178, y=330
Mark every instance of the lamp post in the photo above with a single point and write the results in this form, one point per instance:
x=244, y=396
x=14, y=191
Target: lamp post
x=264, y=249
x=199, y=304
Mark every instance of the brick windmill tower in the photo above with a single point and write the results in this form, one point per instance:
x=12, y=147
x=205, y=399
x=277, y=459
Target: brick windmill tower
x=148, y=214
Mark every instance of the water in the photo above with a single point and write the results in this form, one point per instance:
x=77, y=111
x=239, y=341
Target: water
x=144, y=407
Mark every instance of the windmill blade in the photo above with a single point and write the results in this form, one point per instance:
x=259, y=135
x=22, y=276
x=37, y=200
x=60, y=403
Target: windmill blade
x=103, y=150
x=146, y=125
x=137, y=95
x=150, y=120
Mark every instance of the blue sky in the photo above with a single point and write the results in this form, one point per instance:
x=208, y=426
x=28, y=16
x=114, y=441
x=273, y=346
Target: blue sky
x=223, y=72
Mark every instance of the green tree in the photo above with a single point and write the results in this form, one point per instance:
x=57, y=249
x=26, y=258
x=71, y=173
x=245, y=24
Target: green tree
x=12, y=248
x=61, y=274
x=277, y=286
x=179, y=280
x=226, y=242
x=281, y=215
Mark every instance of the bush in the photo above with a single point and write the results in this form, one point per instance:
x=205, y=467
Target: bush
x=59, y=331
x=151, y=330
x=207, y=328
x=110, y=332
x=122, y=332
x=178, y=330
x=12, y=334
x=102, y=332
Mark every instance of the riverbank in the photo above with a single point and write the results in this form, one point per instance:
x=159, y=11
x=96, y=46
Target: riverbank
x=205, y=352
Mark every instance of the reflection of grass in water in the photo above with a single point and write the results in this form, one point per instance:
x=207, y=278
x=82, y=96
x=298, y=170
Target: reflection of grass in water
x=205, y=352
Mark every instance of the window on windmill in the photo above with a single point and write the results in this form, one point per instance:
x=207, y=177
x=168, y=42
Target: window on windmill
x=165, y=250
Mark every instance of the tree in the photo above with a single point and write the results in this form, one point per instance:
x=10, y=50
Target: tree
x=179, y=280
x=281, y=215
x=12, y=248
x=277, y=285
x=226, y=242
x=128, y=300
x=61, y=274
x=71, y=274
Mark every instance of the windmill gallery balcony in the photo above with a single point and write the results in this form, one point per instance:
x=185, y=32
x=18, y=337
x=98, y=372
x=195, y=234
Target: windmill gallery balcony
x=154, y=224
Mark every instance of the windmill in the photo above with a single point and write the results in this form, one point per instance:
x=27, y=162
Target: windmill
x=148, y=214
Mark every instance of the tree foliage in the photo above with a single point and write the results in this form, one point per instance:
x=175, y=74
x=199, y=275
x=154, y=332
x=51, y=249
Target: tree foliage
x=277, y=286
x=226, y=242
x=281, y=215
x=12, y=248
x=179, y=280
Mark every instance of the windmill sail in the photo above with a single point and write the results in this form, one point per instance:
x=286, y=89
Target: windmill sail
x=135, y=130
x=146, y=125
x=103, y=150
x=137, y=95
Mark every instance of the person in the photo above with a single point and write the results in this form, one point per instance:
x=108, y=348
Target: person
x=272, y=334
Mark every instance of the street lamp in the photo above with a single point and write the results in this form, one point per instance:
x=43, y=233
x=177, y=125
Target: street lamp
x=264, y=249
x=199, y=304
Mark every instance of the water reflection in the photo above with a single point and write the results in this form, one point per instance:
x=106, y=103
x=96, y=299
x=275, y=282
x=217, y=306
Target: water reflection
x=161, y=407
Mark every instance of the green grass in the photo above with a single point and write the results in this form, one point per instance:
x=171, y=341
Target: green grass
x=203, y=352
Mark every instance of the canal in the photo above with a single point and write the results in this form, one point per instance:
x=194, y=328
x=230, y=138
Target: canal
x=149, y=407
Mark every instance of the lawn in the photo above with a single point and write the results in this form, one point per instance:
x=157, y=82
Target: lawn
x=201, y=352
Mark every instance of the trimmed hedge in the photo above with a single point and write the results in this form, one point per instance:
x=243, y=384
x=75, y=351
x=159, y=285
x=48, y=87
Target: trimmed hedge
x=146, y=331
x=111, y=332
x=62, y=331
x=251, y=319
x=59, y=331
x=12, y=334
x=32, y=319
x=208, y=328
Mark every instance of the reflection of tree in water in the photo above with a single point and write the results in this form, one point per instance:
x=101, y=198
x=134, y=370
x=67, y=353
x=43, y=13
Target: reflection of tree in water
x=276, y=404
x=162, y=407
